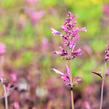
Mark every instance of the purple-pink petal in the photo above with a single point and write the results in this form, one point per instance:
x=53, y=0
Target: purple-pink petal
x=55, y=32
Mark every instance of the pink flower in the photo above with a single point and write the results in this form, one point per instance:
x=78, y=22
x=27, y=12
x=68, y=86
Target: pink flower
x=76, y=53
x=64, y=76
x=16, y=105
x=106, y=9
x=55, y=32
x=34, y=15
x=87, y=105
x=45, y=44
x=31, y=1
x=13, y=77
x=2, y=48
x=70, y=37
x=70, y=27
x=61, y=52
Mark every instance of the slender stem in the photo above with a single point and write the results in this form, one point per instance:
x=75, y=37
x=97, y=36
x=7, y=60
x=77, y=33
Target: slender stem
x=6, y=97
x=72, y=99
x=102, y=88
x=71, y=91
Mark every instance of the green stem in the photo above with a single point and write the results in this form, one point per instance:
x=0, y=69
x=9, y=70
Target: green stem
x=71, y=91
x=102, y=87
x=72, y=99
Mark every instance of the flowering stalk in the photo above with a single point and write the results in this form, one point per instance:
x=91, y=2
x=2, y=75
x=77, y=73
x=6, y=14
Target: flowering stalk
x=104, y=75
x=102, y=88
x=68, y=50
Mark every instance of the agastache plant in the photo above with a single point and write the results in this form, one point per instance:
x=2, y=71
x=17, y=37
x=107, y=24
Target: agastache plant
x=69, y=50
x=106, y=58
x=103, y=75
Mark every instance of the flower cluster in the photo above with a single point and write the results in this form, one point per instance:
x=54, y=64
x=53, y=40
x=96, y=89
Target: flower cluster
x=66, y=76
x=107, y=54
x=70, y=37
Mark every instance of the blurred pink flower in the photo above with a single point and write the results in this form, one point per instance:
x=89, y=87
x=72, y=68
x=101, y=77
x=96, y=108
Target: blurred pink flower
x=30, y=1
x=34, y=15
x=13, y=77
x=87, y=105
x=45, y=44
x=55, y=32
x=16, y=105
x=2, y=48
x=106, y=9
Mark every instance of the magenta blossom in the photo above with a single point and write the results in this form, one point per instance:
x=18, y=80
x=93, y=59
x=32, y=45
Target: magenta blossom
x=64, y=76
x=70, y=27
x=69, y=54
x=55, y=32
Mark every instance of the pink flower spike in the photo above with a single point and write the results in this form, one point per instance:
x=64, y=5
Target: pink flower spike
x=55, y=32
